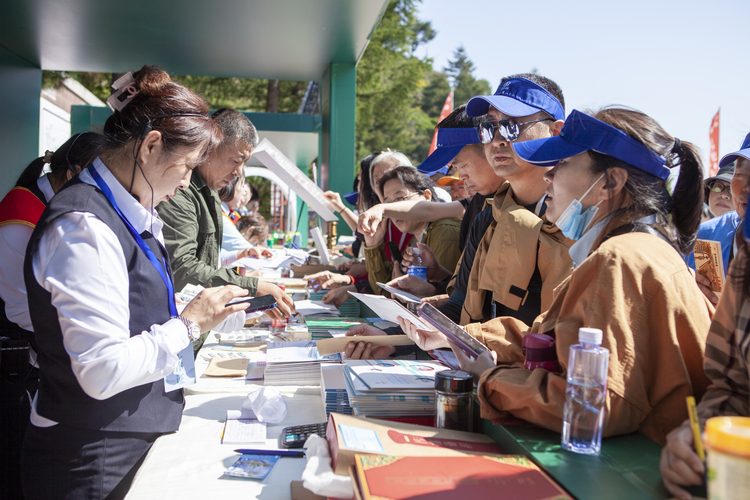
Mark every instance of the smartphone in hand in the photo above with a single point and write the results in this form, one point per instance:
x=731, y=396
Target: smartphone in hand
x=257, y=304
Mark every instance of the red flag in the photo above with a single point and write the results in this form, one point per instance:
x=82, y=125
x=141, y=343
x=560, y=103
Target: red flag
x=447, y=109
x=713, y=155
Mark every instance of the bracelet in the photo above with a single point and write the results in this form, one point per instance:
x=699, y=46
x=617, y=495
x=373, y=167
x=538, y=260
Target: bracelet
x=351, y=278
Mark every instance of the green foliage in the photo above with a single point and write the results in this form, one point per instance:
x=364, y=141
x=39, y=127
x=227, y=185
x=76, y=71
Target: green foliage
x=243, y=93
x=97, y=83
x=390, y=79
x=460, y=71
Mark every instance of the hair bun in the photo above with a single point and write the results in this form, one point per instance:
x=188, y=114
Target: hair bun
x=151, y=79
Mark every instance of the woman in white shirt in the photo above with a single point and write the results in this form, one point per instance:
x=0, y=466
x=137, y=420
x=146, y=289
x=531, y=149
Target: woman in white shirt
x=111, y=343
x=234, y=246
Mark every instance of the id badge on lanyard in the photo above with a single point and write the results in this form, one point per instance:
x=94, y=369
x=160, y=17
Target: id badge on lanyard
x=184, y=373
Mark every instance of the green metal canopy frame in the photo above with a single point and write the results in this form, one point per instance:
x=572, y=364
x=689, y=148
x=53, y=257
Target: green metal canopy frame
x=319, y=40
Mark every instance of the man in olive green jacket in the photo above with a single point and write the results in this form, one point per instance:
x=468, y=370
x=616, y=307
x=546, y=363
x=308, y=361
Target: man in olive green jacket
x=193, y=222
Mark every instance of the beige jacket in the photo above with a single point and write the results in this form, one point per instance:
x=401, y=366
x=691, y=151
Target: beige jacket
x=640, y=293
x=513, y=245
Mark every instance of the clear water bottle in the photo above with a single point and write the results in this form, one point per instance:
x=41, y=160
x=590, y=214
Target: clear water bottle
x=417, y=267
x=583, y=416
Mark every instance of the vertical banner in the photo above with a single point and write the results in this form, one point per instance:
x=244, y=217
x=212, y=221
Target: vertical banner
x=447, y=109
x=713, y=137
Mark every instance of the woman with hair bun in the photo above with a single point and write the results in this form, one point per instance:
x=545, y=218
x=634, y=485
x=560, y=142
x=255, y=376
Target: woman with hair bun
x=106, y=324
x=608, y=192
x=19, y=212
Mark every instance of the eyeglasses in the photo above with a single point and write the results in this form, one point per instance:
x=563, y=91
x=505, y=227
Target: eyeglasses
x=507, y=128
x=718, y=187
x=401, y=198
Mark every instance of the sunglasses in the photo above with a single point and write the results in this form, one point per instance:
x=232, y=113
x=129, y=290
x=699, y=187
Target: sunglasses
x=718, y=187
x=507, y=128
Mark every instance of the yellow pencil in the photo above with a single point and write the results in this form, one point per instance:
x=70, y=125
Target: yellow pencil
x=693, y=413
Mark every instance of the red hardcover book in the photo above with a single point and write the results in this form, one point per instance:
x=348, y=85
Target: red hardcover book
x=476, y=477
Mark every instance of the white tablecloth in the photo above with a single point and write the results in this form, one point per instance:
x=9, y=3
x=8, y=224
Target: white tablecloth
x=189, y=464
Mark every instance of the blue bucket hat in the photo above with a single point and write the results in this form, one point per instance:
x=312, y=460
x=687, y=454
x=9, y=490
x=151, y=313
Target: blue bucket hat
x=744, y=152
x=450, y=142
x=582, y=132
x=352, y=197
x=517, y=97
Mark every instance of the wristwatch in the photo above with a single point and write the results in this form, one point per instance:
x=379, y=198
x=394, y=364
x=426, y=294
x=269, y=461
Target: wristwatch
x=194, y=331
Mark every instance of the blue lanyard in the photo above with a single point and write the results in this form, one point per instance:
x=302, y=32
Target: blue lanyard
x=146, y=249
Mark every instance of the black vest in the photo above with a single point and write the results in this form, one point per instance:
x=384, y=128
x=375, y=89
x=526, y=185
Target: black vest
x=146, y=408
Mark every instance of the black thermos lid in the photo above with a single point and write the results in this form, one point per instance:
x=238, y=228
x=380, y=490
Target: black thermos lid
x=455, y=381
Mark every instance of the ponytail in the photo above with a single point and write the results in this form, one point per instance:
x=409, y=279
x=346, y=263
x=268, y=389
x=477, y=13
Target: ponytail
x=682, y=210
x=687, y=198
x=30, y=174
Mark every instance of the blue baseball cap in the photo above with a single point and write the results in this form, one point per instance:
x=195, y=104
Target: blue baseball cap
x=582, y=132
x=352, y=197
x=450, y=142
x=517, y=97
x=744, y=152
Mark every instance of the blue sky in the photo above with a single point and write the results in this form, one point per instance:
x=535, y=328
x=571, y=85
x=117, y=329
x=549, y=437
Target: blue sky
x=678, y=61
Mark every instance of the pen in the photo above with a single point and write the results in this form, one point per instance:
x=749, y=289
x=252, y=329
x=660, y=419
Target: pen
x=282, y=453
x=693, y=414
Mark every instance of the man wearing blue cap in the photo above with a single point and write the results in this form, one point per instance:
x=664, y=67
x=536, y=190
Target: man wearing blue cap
x=505, y=244
x=506, y=273
x=726, y=229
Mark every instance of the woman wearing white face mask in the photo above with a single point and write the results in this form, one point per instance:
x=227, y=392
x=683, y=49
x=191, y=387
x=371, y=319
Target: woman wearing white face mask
x=608, y=191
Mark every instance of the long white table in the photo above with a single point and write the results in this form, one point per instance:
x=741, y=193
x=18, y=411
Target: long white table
x=189, y=463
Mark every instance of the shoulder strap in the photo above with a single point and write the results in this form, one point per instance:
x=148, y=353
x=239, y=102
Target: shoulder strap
x=21, y=206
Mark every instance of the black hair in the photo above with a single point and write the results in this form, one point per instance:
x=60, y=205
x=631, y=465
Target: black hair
x=178, y=113
x=543, y=82
x=459, y=119
x=236, y=127
x=368, y=195
x=254, y=194
x=411, y=178
x=682, y=209
x=255, y=222
x=226, y=193
x=81, y=149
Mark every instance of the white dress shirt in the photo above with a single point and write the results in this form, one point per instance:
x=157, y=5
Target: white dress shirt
x=14, y=238
x=80, y=262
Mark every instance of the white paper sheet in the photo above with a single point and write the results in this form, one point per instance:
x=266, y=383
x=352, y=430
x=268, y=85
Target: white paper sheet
x=390, y=310
x=408, y=297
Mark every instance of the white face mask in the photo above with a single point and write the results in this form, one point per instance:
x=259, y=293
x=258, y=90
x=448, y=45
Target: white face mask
x=573, y=222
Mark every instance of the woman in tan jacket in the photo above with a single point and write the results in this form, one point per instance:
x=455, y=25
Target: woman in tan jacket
x=608, y=192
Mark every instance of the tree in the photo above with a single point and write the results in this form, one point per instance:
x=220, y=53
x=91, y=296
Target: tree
x=390, y=80
x=460, y=72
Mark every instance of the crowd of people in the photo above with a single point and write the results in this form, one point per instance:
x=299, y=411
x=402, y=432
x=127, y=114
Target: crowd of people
x=527, y=219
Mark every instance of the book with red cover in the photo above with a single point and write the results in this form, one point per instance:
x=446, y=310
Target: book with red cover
x=477, y=477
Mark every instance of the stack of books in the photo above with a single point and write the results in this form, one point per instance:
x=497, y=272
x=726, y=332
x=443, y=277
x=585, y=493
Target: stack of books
x=295, y=363
x=391, y=388
x=348, y=308
x=319, y=328
x=333, y=389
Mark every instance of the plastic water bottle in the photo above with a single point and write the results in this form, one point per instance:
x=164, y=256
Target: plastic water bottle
x=417, y=267
x=583, y=416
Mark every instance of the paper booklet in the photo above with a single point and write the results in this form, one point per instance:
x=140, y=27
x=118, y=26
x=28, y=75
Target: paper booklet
x=406, y=296
x=709, y=263
x=242, y=426
x=390, y=310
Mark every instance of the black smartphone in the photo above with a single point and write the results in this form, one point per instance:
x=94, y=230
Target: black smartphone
x=455, y=333
x=395, y=252
x=263, y=303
